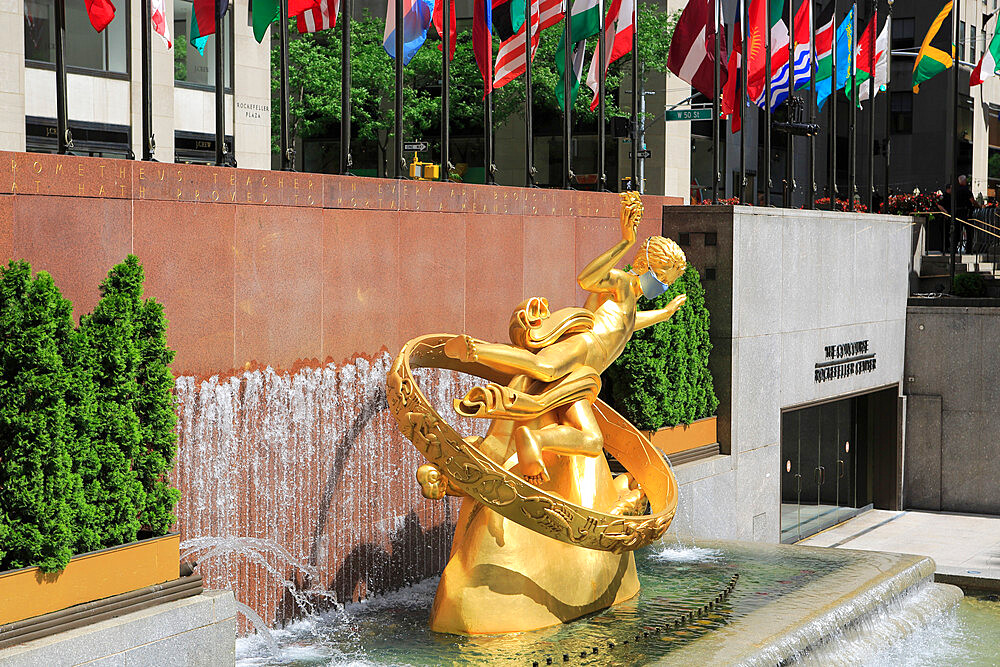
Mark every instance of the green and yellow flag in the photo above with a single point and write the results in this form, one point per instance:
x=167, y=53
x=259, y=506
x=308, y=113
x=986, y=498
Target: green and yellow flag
x=931, y=60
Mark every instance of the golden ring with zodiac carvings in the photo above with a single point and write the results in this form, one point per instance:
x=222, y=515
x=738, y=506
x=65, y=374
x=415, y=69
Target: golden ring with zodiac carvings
x=489, y=483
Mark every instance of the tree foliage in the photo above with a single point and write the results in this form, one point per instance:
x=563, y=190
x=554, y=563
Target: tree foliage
x=86, y=419
x=662, y=378
x=315, y=70
x=39, y=491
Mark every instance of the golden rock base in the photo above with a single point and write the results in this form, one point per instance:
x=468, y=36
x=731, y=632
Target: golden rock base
x=502, y=577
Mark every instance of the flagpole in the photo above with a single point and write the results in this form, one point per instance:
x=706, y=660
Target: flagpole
x=953, y=225
x=871, y=108
x=346, y=13
x=852, y=116
x=831, y=153
x=567, y=91
x=529, y=153
x=716, y=77
x=811, y=193
x=636, y=94
x=602, y=177
x=488, y=134
x=789, y=142
x=400, y=161
x=767, y=105
x=445, y=99
x=220, y=95
x=287, y=152
x=148, y=144
x=65, y=137
x=888, y=103
x=742, y=97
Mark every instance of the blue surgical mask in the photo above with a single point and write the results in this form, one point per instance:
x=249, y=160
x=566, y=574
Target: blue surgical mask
x=652, y=286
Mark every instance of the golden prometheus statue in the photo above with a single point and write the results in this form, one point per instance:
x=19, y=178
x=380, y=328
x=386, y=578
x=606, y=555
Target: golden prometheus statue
x=545, y=534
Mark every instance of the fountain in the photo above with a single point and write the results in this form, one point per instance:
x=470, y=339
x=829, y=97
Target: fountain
x=554, y=560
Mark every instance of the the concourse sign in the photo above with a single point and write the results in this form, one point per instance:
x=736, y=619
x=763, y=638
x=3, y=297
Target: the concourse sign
x=689, y=114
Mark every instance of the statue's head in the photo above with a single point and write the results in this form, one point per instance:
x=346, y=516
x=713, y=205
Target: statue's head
x=661, y=257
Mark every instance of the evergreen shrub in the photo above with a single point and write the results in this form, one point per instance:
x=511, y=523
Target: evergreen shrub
x=86, y=419
x=968, y=285
x=662, y=378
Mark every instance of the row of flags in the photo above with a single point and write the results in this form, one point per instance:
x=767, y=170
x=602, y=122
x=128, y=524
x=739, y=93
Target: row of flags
x=692, y=54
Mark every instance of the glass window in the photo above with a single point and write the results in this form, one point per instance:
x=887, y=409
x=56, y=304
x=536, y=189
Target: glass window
x=972, y=43
x=193, y=65
x=85, y=47
x=902, y=33
x=961, y=40
x=902, y=112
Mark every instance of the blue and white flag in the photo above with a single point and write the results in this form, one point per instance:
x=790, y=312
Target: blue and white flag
x=417, y=16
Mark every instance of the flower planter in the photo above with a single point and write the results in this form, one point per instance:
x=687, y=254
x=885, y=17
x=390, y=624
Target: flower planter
x=92, y=576
x=681, y=438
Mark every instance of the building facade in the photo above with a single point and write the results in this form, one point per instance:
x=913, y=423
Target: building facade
x=104, y=86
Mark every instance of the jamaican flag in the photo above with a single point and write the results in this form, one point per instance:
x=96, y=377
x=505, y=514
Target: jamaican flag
x=933, y=60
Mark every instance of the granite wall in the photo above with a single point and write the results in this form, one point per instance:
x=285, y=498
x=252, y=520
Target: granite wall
x=953, y=409
x=287, y=295
x=782, y=286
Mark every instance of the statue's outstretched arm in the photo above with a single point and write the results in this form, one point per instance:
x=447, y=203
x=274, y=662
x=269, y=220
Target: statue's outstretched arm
x=600, y=274
x=647, y=318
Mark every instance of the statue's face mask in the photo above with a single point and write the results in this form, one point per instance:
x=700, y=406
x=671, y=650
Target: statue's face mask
x=652, y=286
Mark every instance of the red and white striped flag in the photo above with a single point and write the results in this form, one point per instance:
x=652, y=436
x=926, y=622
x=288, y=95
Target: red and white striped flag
x=550, y=13
x=618, y=29
x=158, y=18
x=318, y=18
x=510, y=58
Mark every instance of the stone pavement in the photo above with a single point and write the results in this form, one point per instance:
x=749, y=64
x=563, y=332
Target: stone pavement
x=966, y=547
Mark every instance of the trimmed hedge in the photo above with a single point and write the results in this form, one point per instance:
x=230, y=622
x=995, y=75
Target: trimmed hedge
x=662, y=378
x=86, y=420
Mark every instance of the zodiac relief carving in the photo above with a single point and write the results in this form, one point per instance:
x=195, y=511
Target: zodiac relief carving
x=542, y=464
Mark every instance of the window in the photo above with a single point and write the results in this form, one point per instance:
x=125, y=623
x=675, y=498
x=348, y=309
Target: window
x=902, y=33
x=195, y=66
x=972, y=43
x=961, y=40
x=902, y=112
x=85, y=47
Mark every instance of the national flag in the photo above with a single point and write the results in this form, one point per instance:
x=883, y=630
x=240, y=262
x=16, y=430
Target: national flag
x=987, y=65
x=692, y=49
x=779, y=57
x=208, y=12
x=265, y=12
x=584, y=22
x=510, y=57
x=158, y=17
x=732, y=103
x=100, y=13
x=845, y=47
x=863, y=54
x=824, y=44
x=321, y=17
x=881, y=64
x=756, y=32
x=416, y=21
x=932, y=60
x=439, y=25
x=197, y=40
x=550, y=12
x=482, y=41
x=618, y=30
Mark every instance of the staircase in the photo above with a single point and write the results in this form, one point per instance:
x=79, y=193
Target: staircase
x=935, y=269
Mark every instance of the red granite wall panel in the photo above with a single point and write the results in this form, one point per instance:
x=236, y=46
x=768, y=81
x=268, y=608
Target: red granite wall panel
x=287, y=296
x=278, y=260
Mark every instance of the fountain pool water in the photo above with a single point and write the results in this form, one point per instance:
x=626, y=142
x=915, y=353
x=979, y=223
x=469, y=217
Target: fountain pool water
x=789, y=603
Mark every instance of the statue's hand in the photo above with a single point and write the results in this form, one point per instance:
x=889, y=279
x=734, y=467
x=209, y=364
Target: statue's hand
x=462, y=348
x=433, y=482
x=676, y=303
x=631, y=215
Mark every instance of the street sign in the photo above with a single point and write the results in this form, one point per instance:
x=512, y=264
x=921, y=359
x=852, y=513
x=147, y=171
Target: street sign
x=643, y=154
x=689, y=114
x=415, y=145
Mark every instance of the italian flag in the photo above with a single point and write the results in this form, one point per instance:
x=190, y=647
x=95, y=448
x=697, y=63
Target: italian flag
x=584, y=22
x=987, y=65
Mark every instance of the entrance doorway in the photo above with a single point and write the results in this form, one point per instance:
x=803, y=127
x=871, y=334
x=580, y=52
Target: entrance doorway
x=838, y=459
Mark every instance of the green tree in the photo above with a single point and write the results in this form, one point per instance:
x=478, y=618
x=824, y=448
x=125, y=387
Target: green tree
x=314, y=81
x=39, y=491
x=662, y=378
